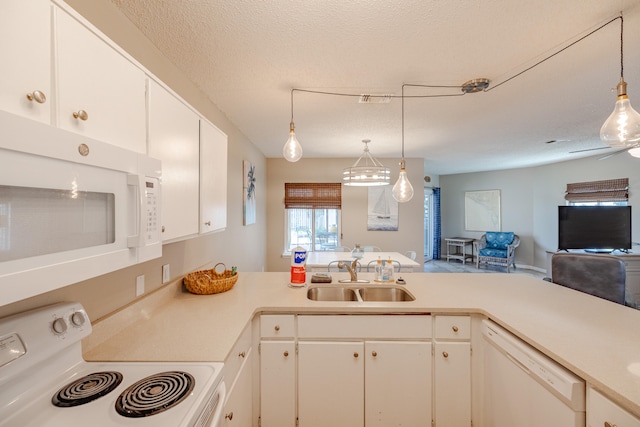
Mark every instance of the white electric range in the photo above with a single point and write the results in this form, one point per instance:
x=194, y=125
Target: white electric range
x=44, y=381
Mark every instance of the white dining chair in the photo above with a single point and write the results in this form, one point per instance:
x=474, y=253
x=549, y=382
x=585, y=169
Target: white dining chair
x=341, y=249
x=411, y=255
x=371, y=249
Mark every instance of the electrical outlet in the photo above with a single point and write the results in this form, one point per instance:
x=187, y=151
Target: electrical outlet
x=140, y=285
x=166, y=275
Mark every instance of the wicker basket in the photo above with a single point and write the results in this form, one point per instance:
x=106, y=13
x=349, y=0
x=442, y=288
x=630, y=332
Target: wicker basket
x=207, y=282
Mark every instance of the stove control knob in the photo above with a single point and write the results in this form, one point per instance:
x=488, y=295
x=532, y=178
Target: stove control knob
x=78, y=319
x=59, y=326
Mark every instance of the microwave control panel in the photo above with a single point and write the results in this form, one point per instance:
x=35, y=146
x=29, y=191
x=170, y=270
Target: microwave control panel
x=152, y=231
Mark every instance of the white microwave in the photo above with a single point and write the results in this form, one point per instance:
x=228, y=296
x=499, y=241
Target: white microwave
x=71, y=208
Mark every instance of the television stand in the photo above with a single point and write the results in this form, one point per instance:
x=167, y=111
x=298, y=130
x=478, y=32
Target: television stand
x=599, y=251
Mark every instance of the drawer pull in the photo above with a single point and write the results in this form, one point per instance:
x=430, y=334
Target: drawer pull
x=37, y=96
x=242, y=354
x=229, y=416
x=455, y=328
x=355, y=354
x=277, y=328
x=286, y=354
x=445, y=354
x=81, y=114
x=208, y=223
x=608, y=424
x=374, y=353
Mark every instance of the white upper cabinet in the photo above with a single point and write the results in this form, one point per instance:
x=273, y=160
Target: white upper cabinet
x=213, y=178
x=174, y=139
x=25, y=48
x=100, y=93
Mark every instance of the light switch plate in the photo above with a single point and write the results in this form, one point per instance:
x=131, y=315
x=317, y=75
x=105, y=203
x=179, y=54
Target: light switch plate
x=166, y=275
x=140, y=285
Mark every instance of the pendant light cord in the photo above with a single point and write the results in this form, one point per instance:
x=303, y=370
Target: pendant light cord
x=292, y=105
x=621, y=44
x=403, y=121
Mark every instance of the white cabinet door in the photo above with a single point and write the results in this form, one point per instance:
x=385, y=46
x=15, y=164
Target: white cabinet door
x=452, y=384
x=277, y=384
x=25, y=31
x=398, y=383
x=331, y=384
x=213, y=178
x=238, y=407
x=95, y=79
x=174, y=139
x=602, y=412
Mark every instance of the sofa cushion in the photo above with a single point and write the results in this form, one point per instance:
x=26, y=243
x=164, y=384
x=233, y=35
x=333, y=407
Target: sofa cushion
x=494, y=253
x=499, y=240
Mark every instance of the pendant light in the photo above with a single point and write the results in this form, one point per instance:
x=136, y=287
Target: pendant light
x=366, y=171
x=402, y=189
x=292, y=150
x=622, y=128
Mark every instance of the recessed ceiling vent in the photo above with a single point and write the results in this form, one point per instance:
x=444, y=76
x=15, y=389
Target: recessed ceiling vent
x=375, y=98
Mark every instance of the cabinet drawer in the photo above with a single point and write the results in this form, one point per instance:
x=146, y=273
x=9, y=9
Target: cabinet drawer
x=365, y=327
x=453, y=327
x=277, y=326
x=238, y=354
x=601, y=410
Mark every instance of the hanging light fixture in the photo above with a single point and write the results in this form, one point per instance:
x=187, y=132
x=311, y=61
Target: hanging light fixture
x=622, y=128
x=292, y=150
x=402, y=189
x=366, y=171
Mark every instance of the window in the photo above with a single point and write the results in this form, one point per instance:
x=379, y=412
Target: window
x=611, y=192
x=312, y=217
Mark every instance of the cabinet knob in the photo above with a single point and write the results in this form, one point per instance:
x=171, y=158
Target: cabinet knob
x=81, y=114
x=242, y=354
x=374, y=353
x=608, y=424
x=276, y=328
x=455, y=328
x=355, y=355
x=229, y=416
x=208, y=223
x=445, y=354
x=37, y=96
x=286, y=354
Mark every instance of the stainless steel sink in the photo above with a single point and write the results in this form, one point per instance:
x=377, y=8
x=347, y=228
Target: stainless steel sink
x=374, y=293
x=332, y=293
x=369, y=293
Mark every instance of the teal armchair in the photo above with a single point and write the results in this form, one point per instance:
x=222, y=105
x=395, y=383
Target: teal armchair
x=497, y=248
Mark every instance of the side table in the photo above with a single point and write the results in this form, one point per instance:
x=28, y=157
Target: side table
x=457, y=248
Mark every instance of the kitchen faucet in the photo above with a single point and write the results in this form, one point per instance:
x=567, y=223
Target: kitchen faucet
x=351, y=269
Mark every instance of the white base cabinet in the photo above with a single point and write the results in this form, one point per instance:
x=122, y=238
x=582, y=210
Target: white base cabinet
x=238, y=407
x=278, y=384
x=331, y=384
x=601, y=412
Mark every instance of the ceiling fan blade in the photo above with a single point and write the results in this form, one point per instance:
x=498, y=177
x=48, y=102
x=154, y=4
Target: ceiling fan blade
x=615, y=153
x=589, y=149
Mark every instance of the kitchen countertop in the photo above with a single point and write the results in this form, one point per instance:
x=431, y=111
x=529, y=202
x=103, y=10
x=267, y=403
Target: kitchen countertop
x=596, y=339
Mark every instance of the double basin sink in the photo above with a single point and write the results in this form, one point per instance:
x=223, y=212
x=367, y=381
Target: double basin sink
x=359, y=293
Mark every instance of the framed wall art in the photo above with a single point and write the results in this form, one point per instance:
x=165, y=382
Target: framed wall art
x=482, y=210
x=249, y=193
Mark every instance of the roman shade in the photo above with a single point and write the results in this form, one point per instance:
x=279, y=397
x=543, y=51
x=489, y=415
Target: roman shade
x=302, y=195
x=610, y=190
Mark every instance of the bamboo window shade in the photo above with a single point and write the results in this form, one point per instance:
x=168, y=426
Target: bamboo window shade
x=610, y=190
x=300, y=195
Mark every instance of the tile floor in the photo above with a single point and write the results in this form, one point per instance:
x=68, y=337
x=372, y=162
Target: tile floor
x=455, y=266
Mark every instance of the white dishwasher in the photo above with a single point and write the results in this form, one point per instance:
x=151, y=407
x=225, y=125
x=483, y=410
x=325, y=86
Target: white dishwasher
x=524, y=388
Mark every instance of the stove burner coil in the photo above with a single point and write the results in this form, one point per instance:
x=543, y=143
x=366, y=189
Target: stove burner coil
x=155, y=394
x=87, y=389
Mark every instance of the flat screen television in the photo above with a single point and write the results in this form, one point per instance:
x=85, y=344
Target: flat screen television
x=594, y=228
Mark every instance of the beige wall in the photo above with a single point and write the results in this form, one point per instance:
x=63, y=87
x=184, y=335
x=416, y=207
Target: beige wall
x=410, y=234
x=530, y=200
x=238, y=245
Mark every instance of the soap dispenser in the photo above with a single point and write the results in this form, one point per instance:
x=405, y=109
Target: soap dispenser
x=387, y=272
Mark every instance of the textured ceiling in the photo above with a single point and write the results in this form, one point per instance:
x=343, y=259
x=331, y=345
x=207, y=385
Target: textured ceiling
x=247, y=55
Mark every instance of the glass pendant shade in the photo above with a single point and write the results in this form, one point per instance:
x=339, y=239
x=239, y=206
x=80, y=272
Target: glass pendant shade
x=292, y=150
x=366, y=172
x=622, y=128
x=402, y=189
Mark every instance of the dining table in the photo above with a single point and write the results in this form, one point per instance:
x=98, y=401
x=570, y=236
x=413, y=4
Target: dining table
x=319, y=260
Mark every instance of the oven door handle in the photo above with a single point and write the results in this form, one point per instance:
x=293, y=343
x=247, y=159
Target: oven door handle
x=218, y=416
